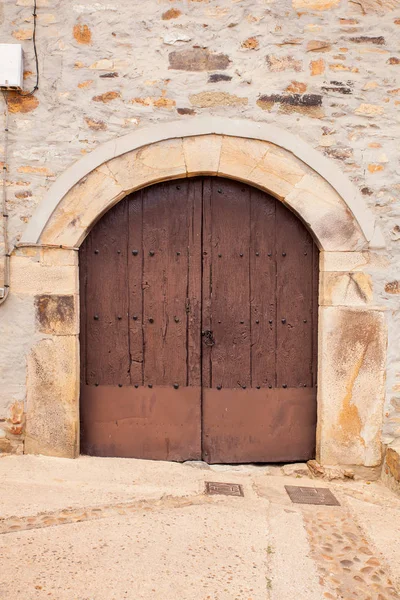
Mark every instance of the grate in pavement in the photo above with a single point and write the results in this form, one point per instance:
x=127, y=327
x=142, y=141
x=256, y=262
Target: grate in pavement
x=225, y=489
x=311, y=495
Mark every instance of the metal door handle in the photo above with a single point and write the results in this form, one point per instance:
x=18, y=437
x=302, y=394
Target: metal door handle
x=208, y=337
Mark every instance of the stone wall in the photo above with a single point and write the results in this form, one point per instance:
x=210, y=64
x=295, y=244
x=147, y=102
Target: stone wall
x=325, y=70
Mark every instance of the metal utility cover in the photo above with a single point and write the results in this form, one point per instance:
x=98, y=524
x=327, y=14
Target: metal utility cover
x=225, y=489
x=310, y=495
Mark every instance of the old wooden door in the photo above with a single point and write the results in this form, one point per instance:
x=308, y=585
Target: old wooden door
x=199, y=327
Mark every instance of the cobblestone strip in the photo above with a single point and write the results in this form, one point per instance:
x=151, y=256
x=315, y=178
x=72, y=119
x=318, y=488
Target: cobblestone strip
x=68, y=515
x=349, y=567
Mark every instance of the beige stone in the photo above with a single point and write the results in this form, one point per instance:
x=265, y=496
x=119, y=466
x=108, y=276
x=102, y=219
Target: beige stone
x=351, y=367
x=198, y=59
x=369, y=110
x=317, y=67
x=315, y=4
x=52, y=398
x=277, y=64
x=318, y=46
x=95, y=124
x=393, y=287
x=391, y=467
x=82, y=34
x=322, y=209
x=345, y=289
x=23, y=34
x=208, y=99
x=104, y=64
x=107, y=97
x=278, y=172
x=240, y=156
x=58, y=257
x=147, y=165
x=266, y=166
x=379, y=7
x=202, y=154
x=30, y=277
x=81, y=206
x=352, y=261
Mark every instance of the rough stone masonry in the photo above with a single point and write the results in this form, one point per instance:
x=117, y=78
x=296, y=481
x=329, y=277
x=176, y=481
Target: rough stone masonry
x=326, y=70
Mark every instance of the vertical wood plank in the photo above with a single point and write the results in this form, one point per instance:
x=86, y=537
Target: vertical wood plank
x=107, y=300
x=294, y=256
x=206, y=322
x=82, y=308
x=165, y=280
x=193, y=299
x=135, y=280
x=230, y=208
x=263, y=289
x=315, y=300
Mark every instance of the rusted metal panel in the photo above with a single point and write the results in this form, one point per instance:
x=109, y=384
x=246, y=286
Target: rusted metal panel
x=217, y=488
x=265, y=425
x=160, y=423
x=311, y=495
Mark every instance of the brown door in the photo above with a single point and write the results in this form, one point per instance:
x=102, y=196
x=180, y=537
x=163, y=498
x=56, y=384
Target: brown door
x=198, y=327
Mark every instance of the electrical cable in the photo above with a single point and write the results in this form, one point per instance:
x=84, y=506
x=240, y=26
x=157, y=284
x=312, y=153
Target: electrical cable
x=36, y=55
x=6, y=257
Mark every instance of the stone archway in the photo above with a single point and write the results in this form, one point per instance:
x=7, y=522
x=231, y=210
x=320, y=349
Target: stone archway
x=351, y=331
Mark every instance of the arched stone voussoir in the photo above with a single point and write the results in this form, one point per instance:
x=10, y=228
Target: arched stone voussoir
x=305, y=192
x=258, y=162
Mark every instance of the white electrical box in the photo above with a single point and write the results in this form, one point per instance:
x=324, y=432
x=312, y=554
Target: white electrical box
x=11, y=66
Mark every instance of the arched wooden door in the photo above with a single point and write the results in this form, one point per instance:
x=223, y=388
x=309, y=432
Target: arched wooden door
x=199, y=327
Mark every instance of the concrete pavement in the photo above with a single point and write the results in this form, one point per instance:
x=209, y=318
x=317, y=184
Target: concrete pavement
x=114, y=529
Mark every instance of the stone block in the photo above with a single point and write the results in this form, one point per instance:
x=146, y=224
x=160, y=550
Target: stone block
x=81, y=206
x=240, y=156
x=391, y=467
x=52, y=421
x=21, y=104
x=332, y=223
x=198, y=59
x=58, y=257
x=265, y=165
x=202, y=154
x=147, y=165
x=345, y=289
x=57, y=314
x=82, y=34
x=29, y=277
x=210, y=99
x=278, y=171
x=351, y=386
x=277, y=64
x=302, y=5
x=352, y=261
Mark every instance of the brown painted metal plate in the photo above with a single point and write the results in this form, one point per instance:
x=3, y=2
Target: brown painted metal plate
x=160, y=423
x=266, y=425
x=311, y=495
x=214, y=488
